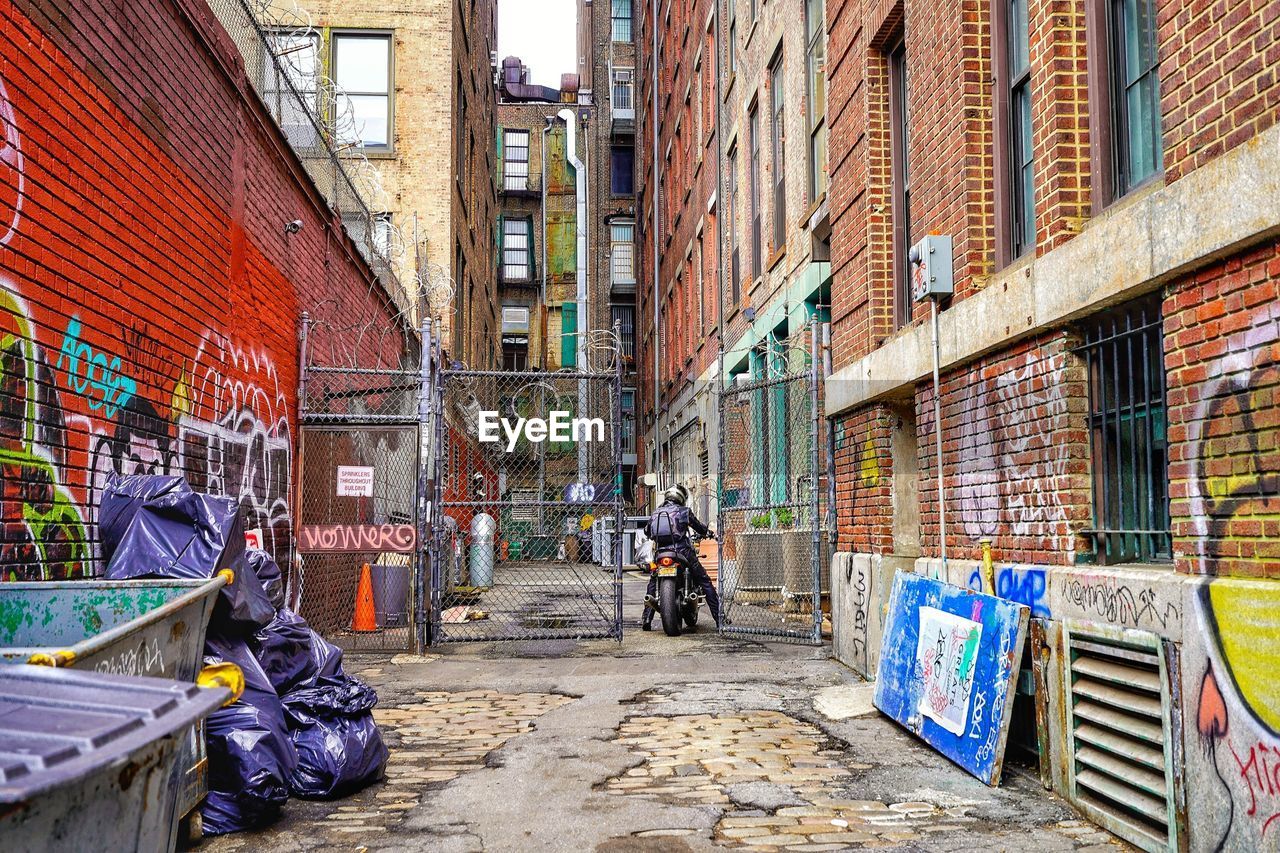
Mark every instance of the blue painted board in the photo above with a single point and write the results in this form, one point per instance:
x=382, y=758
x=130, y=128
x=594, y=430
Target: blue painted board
x=955, y=690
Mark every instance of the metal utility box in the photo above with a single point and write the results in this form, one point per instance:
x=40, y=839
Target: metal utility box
x=135, y=627
x=87, y=759
x=931, y=268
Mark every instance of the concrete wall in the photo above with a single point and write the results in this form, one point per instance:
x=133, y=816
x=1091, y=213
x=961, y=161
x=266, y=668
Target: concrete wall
x=150, y=297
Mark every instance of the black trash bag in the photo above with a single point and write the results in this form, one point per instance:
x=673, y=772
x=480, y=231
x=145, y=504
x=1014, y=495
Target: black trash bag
x=268, y=575
x=339, y=746
x=292, y=655
x=250, y=754
x=122, y=499
x=185, y=534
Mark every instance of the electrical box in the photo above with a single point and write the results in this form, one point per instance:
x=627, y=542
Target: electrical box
x=931, y=276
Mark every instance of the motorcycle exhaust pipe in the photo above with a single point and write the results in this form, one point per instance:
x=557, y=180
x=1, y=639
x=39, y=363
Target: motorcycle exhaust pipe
x=650, y=602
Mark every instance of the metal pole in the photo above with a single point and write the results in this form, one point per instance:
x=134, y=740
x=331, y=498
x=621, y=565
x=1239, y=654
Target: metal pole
x=424, y=502
x=937, y=437
x=832, y=522
x=656, y=195
x=580, y=171
x=718, y=389
x=617, y=475
x=304, y=336
x=815, y=426
x=437, y=490
x=542, y=358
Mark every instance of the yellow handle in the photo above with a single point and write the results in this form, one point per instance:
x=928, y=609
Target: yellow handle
x=229, y=575
x=59, y=658
x=226, y=675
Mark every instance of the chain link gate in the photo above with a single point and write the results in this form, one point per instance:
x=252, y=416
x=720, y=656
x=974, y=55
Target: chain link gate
x=775, y=554
x=358, y=578
x=524, y=537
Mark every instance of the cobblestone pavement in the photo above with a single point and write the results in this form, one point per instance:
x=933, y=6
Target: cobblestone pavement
x=659, y=744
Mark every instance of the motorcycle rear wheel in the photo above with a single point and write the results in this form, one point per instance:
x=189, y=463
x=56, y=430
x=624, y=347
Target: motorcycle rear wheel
x=669, y=607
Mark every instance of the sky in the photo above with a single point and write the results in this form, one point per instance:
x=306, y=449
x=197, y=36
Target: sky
x=543, y=33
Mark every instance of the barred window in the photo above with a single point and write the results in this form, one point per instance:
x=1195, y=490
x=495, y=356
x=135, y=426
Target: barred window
x=515, y=249
x=624, y=87
x=622, y=20
x=515, y=159
x=1124, y=355
x=622, y=253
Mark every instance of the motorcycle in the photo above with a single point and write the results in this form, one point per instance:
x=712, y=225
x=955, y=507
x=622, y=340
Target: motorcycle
x=679, y=598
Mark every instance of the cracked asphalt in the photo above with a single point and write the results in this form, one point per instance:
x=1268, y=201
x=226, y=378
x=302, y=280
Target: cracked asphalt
x=658, y=744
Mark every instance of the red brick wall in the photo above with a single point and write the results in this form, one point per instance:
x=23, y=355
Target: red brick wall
x=864, y=481
x=1218, y=84
x=1016, y=451
x=1222, y=354
x=149, y=296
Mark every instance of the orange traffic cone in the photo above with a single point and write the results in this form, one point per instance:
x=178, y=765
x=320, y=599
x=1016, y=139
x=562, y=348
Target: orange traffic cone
x=365, y=620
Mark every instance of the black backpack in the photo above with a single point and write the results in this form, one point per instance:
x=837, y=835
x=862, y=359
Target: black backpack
x=669, y=525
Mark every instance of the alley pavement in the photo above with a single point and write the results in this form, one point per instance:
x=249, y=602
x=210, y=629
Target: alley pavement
x=657, y=744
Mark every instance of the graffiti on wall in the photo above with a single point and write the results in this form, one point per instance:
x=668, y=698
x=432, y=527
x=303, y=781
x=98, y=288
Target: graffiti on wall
x=1009, y=466
x=1022, y=584
x=1233, y=496
x=1114, y=599
x=67, y=424
x=1238, y=711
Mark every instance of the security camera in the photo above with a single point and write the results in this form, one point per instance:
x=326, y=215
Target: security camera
x=293, y=227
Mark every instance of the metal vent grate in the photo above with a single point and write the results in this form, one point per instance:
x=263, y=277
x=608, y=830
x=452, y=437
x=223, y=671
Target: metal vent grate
x=1119, y=728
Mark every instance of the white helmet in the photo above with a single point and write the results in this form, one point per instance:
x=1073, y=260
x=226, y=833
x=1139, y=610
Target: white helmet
x=677, y=494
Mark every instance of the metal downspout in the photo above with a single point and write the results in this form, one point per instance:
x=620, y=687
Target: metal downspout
x=571, y=154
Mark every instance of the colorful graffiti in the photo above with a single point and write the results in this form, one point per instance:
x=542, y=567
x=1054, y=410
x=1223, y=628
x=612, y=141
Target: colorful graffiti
x=1238, y=712
x=349, y=538
x=92, y=375
x=1234, y=497
x=12, y=170
x=1021, y=584
x=1010, y=466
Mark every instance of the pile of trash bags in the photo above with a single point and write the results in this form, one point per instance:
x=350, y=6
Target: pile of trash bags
x=303, y=727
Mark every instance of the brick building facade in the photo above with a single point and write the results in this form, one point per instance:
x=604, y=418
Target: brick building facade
x=150, y=293
x=607, y=83
x=1106, y=174
x=421, y=76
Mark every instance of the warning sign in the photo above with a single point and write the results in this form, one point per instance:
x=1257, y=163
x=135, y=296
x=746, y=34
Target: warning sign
x=355, y=481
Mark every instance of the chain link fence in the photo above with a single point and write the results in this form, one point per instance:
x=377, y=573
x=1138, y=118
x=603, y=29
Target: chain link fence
x=528, y=502
x=774, y=551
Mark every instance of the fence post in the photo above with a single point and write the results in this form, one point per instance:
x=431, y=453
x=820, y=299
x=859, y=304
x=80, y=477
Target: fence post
x=718, y=392
x=424, y=502
x=815, y=363
x=617, y=489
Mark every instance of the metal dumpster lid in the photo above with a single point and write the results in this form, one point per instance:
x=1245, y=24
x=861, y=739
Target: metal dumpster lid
x=58, y=725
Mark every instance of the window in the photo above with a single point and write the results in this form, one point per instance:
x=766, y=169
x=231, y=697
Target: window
x=628, y=430
x=515, y=157
x=625, y=317
x=779, y=155
x=569, y=334
x=1124, y=356
x=515, y=337
x=1124, y=86
x=290, y=85
x=624, y=102
x=1135, y=92
x=735, y=255
x=622, y=253
x=622, y=20
x=900, y=146
x=753, y=187
x=622, y=169
x=1015, y=172
x=816, y=66
x=362, y=74
x=515, y=249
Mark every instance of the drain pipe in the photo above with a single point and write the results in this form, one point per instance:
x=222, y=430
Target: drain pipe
x=655, y=193
x=571, y=154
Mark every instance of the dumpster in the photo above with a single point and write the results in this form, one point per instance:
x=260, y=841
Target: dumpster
x=86, y=758
x=136, y=627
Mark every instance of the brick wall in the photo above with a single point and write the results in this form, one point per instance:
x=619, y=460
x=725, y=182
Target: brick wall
x=1218, y=85
x=1222, y=353
x=149, y=295
x=1016, y=452
x=864, y=481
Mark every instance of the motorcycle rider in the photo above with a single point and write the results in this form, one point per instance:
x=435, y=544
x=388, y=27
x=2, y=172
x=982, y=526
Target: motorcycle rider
x=668, y=527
